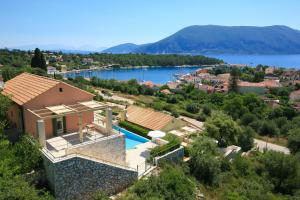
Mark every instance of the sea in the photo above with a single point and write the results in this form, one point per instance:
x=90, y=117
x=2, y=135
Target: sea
x=161, y=75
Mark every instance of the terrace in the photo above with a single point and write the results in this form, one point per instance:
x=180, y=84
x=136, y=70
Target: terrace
x=96, y=139
x=61, y=146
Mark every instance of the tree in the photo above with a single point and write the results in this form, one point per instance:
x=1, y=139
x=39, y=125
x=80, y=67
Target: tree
x=245, y=140
x=28, y=148
x=8, y=73
x=247, y=119
x=254, y=104
x=283, y=171
x=233, y=81
x=204, y=162
x=223, y=128
x=234, y=107
x=294, y=140
x=171, y=184
x=5, y=102
x=259, y=76
x=269, y=128
x=17, y=188
x=206, y=109
x=38, y=60
x=172, y=99
x=193, y=108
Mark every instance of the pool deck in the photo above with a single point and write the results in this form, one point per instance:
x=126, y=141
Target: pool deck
x=138, y=156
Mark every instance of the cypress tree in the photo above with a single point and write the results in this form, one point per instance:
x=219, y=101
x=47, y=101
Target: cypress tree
x=38, y=60
x=233, y=81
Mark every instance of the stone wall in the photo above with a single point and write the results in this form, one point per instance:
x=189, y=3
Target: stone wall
x=110, y=149
x=79, y=177
x=173, y=156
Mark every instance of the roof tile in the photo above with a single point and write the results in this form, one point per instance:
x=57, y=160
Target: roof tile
x=25, y=87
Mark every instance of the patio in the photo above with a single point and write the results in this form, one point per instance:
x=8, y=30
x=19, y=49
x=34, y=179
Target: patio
x=57, y=147
x=136, y=158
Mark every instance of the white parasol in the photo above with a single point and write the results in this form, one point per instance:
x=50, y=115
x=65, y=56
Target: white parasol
x=156, y=134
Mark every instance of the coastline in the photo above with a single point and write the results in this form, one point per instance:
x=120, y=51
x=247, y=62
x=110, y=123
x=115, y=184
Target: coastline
x=131, y=67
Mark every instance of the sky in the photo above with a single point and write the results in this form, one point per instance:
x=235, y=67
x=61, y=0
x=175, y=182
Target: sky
x=86, y=24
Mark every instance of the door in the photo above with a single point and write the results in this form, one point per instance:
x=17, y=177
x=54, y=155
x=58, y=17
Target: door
x=59, y=126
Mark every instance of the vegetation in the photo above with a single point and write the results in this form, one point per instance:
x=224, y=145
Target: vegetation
x=223, y=128
x=9, y=72
x=135, y=128
x=38, y=60
x=233, y=82
x=173, y=143
x=294, y=140
x=18, y=58
x=15, y=58
x=129, y=87
x=204, y=162
x=153, y=60
x=260, y=176
x=171, y=184
x=20, y=165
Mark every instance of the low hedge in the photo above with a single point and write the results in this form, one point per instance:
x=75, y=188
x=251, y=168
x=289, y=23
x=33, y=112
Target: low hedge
x=161, y=150
x=135, y=128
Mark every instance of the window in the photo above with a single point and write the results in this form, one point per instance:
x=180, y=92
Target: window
x=60, y=89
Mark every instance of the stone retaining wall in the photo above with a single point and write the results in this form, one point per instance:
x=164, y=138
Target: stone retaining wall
x=79, y=177
x=173, y=156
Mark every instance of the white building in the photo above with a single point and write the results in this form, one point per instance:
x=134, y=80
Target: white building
x=51, y=70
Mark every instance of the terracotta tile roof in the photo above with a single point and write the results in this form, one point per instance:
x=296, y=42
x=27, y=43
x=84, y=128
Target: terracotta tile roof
x=266, y=83
x=166, y=91
x=172, y=85
x=149, y=84
x=25, y=87
x=148, y=118
x=296, y=92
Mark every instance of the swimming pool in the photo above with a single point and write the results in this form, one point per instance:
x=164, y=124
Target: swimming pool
x=131, y=139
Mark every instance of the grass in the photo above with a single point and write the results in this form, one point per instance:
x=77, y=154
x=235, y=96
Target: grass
x=174, y=125
x=274, y=140
x=145, y=99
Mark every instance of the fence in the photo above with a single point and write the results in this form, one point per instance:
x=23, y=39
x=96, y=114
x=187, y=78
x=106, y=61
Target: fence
x=65, y=157
x=143, y=167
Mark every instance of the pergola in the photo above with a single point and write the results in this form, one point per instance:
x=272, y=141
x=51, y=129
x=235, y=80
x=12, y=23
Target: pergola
x=65, y=110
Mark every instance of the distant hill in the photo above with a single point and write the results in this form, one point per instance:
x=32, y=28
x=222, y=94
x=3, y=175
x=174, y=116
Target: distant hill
x=213, y=39
x=85, y=49
x=122, y=48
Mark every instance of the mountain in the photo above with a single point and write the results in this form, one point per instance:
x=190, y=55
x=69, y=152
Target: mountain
x=84, y=49
x=212, y=39
x=122, y=48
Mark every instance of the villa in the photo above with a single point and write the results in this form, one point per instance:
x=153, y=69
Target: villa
x=81, y=149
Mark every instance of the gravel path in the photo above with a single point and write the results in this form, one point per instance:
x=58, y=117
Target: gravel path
x=269, y=146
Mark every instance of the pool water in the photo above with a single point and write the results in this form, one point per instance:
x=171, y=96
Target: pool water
x=131, y=139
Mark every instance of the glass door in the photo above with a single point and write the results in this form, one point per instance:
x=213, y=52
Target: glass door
x=59, y=126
